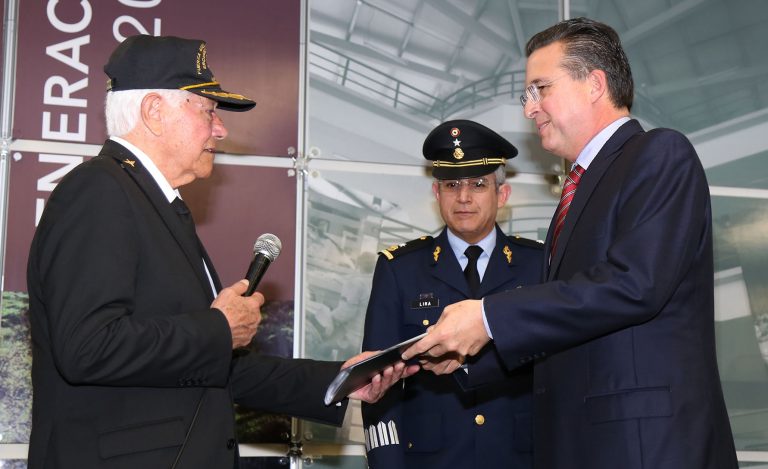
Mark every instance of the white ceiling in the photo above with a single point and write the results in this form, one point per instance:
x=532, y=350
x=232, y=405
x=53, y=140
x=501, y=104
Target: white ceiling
x=696, y=63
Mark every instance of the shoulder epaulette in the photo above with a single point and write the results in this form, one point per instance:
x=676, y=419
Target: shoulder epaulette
x=399, y=249
x=526, y=242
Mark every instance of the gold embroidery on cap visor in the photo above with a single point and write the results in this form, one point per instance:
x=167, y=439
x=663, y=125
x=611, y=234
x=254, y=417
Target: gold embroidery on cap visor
x=221, y=94
x=464, y=164
x=200, y=85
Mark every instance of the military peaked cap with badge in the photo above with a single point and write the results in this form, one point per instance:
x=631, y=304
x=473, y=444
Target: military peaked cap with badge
x=168, y=62
x=464, y=149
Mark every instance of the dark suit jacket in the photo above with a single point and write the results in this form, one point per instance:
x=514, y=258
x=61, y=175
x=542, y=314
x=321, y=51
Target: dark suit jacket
x=622, y=334
x=126, y=349
x=430, y=422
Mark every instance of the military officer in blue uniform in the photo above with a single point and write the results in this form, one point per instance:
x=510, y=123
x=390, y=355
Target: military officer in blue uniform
x=430, y=421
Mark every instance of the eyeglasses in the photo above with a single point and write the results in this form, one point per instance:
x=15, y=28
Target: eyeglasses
x=453, y=186
x=533, y=91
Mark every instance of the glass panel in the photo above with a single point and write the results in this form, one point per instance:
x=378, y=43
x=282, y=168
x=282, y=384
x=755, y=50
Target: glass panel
x=353, y=215
x=382, y=75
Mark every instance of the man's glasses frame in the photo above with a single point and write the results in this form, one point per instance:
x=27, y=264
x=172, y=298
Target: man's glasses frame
x=475, y=185
x=533, y=91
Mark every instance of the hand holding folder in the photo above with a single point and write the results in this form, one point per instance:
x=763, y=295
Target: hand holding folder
x=361, y=373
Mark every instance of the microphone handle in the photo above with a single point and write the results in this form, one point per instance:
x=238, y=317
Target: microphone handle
x=256, y=270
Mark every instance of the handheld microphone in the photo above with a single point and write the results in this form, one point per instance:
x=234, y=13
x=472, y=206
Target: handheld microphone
x=265, y=251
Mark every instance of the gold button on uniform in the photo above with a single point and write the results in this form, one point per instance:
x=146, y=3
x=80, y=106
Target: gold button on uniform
x=425, y=322
x=479, y=419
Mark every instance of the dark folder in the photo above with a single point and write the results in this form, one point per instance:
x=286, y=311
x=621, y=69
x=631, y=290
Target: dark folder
x=358, y=375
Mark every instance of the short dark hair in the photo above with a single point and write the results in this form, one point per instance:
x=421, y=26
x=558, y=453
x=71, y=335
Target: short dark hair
x=590, y=45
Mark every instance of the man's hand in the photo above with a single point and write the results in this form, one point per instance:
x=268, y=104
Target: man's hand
x=243, y=313
x=443, y=365
x=374, y=390
x=459, y=332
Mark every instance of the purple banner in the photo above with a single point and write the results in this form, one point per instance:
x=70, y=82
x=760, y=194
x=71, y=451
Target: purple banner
x=253, y=48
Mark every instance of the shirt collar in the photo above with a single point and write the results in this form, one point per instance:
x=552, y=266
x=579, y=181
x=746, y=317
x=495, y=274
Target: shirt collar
x=593, y=147
x=458, y=245
x=169, y=192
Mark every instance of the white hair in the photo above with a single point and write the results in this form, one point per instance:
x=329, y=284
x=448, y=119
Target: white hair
x=123, y=108
x=501, y=175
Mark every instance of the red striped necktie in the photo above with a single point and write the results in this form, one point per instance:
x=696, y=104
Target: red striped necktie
x=569, y=190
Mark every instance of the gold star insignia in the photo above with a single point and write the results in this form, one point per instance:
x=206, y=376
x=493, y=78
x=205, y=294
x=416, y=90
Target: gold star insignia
x=507, y=252
x=131, y=163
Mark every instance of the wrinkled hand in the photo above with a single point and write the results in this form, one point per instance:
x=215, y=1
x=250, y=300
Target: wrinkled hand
x=243, y=313
x=460, y=331
x=374, y=390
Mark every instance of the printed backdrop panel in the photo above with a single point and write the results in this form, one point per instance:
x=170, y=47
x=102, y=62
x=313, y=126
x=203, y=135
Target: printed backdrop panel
x=253, y=48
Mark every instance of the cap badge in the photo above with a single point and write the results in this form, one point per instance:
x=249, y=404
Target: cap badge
x=455, y=132
x=507, y=252
x=458, y=153
x=456, y=142
x=436, y=253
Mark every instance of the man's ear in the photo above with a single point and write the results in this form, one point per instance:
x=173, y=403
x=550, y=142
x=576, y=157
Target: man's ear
x=598, y=84
x=504, y=191
x=152, y=113
x=435, y=190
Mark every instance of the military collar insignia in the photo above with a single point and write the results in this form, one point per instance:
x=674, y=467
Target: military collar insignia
x=507, y=252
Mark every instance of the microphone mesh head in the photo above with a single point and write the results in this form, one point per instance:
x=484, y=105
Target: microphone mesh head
x=268, y=245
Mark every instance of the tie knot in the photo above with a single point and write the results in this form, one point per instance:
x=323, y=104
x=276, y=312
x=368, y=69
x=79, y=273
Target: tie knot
x=575, y=174
x=180, y=207
x=473, y=252
x=183, y=213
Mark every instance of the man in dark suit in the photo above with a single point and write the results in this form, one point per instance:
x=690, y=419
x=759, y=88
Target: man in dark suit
x=133, y=336
x=429, y=422
x=622, y=333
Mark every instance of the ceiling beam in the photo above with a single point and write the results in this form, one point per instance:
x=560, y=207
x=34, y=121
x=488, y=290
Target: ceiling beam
x=409, y=32
x=353, y=20
x=517, y=26
x=358, y=50
x=650, y=26
x=724, y=77
x=474, y=27
x=479, y=9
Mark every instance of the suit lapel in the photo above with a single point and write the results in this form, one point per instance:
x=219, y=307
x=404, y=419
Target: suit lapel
x=600, y=164
x=191, y=247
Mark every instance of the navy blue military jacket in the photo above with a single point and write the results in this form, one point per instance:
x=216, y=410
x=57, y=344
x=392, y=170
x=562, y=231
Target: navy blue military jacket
x=429, y=421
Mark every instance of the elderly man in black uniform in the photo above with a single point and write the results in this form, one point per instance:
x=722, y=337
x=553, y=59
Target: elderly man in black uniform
x=132, y=333
x=430, y=421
